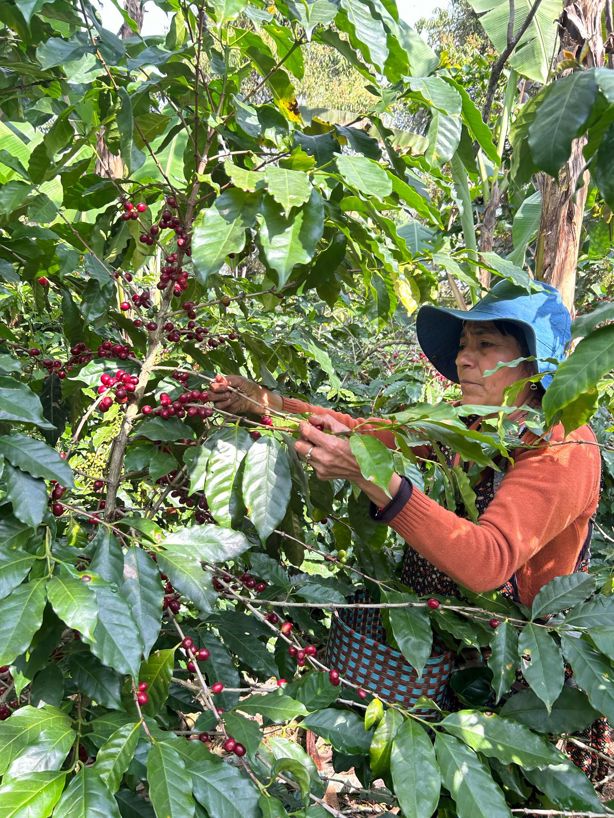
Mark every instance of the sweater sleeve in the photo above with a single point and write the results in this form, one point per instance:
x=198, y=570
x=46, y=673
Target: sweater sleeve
x=546, y=491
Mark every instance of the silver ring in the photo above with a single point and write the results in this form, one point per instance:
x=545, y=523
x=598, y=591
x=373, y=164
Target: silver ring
x=308, y=455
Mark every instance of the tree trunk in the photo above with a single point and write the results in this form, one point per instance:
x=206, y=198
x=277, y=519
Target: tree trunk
x=107, y=163
x=563, y=199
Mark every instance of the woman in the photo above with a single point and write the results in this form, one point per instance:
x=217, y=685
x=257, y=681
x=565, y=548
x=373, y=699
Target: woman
x=535, y=523
x=533, y=527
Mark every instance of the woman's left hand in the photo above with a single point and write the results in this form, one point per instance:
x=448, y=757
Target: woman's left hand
x=329, y=454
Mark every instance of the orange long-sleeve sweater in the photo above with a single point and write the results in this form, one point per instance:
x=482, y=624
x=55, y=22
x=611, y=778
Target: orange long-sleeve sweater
x=534, y=527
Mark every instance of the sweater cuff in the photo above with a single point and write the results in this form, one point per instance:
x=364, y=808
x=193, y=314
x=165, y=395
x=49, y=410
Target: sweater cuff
x=295, y=406
x=390, y=511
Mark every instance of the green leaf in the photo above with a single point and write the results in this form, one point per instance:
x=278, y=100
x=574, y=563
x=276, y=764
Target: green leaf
x=320, y=12
x=596, y=613
x=290, y=188
x=107, y=560
x=226, y=10
x=567, y=787
x=585, y=324
x=220, y=230
x=166, y=775
x=381, y=744
x=561, y=593
x=240, y=636
x=376, y=461
x=343, y=728
x=115, y=755
x=602, y=165
x=196, y=460
x=366, y=32
x=228, y=448
x=374, y=713
x=31, y=796
x=167, y=430
x=593, y=673
x=222, y=789
x=36, y=458
x=117, y=642
x=185, y=572
x=27, y=494
x=287, y=242
x=272, y=807
x=143, y=591
x=502, y=739
x=532, y=57
x=12, y=196
x=365, y=176
x=414, y=770
x=22, y=616
x=92, y=678
x=504, y=658
x=562, y=115
x=507, y=270
x=541, y=663
x=472, y=117
x=14, y=566
x=19, y=403
x=411, y=628
x=220, y=666
x=266, y=484
x=45, y=730
x=74, y=603
x=275, y=706
x=468, y=781
x=570, y=712
x=525, y=226
x=591, y=360
x=87, y=796
x=157, y=671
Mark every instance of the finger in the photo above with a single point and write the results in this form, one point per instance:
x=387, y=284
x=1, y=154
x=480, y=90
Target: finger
x=328, y=423
x=311, y=433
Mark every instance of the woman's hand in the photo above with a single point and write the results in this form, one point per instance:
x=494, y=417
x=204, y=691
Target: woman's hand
x=331, y=457
x=240, y=396
x=329, y=454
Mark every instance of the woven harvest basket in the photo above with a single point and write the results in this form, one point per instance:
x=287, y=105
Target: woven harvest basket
x=356, y=648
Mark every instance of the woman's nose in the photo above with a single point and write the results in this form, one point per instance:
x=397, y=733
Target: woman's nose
x=465, y=357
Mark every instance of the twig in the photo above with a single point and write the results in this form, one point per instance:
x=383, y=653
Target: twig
x=500, y=63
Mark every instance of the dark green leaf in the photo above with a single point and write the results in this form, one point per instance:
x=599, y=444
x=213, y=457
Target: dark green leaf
x=561, y=593
x=541, y=663
x=275, y=706
x=108, y=559
x=114, y=757
x=166, y=775
x=165, y=430
x=157, y=672
x=92, y=678
x=27, y=494
x=22, y=615
x=469, y=781
x=375, y=460
x=266, y=484
x=74, y=603
x=567, y=787
x=33, y=795
x=36, y=458
x=503, y=660
x=19, y=403
x=117, y=641
x=14, y=565
x=221, y=788
x=142, y=589
x=592, y=672
x=570, y=712
x=228, y=448
x=343, y=728
x=245, y=731
x=87, y=797
x=414, y=770
x=45, y=730
x=314, y=690
x=561, y=116
x=365, y=176
x=502, y=739
x=411, y=628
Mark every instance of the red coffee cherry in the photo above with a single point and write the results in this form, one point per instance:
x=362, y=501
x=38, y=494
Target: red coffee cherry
x=217, y=687
x=229, y=745
x=142, y=698
x=494, y=623
x=239, y=750
x=433, y=603
x=333, y=676
x=141, y=207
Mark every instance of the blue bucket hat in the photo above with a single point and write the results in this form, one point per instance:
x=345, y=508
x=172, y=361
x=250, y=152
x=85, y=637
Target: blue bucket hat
x=541, y=314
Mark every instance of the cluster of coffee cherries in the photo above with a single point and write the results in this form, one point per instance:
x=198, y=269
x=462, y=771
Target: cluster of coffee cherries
x=182, y=406
x=246, y=580
x=194, y=655
x=57, y=492
x=142, y=696
x=131, y=211
x=233, y=746
x=172, y=271
x=123, y=385
x=80, y=354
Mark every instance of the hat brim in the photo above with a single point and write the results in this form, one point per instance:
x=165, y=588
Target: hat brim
x=439, y=330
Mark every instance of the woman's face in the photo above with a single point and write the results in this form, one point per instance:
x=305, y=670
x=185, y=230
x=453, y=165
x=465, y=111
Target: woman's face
x=481, y=348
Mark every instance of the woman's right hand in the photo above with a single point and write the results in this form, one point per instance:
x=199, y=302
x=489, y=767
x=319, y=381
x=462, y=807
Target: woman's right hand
x=240, y=396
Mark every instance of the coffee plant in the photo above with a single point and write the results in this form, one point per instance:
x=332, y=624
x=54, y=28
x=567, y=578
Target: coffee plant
x=168, y=572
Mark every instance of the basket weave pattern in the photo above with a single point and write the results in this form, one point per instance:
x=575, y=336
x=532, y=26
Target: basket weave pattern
x=356, y=648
